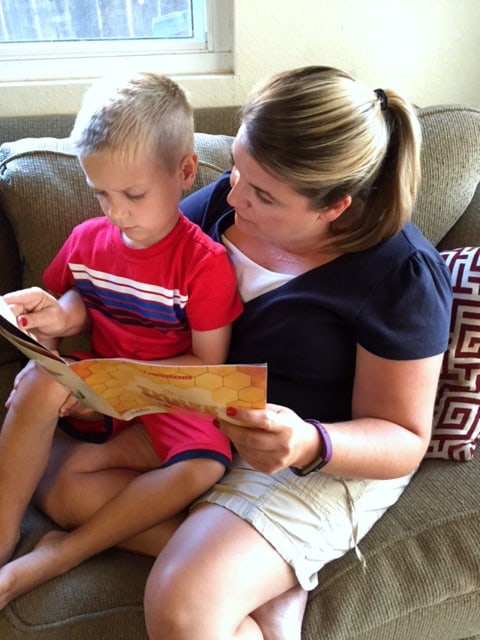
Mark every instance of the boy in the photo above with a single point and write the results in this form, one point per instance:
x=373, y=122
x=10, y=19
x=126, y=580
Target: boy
x=156, y=288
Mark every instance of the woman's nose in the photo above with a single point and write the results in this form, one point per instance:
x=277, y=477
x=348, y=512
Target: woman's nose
x=236, y=195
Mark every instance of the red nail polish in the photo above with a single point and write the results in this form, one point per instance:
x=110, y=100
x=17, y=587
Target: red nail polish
x=216, y=423
x=22, y=321
x=231, y=411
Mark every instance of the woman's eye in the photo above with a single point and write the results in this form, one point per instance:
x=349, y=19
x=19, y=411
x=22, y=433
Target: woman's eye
x=263, y=199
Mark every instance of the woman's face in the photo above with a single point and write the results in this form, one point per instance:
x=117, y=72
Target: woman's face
x=267, y=207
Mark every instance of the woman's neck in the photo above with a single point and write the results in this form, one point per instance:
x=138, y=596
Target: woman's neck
x=275, y=257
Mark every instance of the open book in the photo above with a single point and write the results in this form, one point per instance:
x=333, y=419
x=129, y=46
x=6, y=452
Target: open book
x=124, y=388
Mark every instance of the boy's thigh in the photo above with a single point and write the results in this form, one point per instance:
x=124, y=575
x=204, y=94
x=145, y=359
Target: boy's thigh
x=129, y=448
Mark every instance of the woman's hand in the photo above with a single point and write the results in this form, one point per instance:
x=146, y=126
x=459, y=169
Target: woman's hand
x=272, y=439
x=45, y=316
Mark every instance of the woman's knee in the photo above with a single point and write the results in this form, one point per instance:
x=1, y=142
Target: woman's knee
x=165, y=615
x=174, y=607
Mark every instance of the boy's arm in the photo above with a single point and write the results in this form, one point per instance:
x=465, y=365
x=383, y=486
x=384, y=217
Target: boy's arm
x=208, y=347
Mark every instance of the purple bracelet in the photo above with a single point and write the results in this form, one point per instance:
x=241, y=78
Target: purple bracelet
x=325, y=454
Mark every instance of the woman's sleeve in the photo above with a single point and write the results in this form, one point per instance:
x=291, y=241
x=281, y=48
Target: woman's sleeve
x=408, y=317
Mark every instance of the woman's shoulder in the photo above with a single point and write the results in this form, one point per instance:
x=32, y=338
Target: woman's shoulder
x=407, y=255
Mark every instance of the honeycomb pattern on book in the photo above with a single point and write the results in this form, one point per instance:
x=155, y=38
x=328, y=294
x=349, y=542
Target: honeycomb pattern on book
x=128, y=385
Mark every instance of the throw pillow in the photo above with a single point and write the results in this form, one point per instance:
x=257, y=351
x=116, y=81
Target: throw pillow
x=456, y=424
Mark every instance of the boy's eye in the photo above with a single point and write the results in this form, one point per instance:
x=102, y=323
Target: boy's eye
x=135, y=196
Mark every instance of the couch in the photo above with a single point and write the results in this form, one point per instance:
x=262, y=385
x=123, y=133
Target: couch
x=422, y=580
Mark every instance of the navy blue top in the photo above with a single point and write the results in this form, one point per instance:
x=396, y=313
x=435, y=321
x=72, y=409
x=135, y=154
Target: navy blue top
x=393, y=299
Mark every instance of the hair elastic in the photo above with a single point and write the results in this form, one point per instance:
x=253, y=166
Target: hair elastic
x=382, y=96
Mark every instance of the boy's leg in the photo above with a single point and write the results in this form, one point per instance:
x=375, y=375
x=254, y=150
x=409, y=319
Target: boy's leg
x=153, y=497
x=82, y=477
x=85, y=479
x=25, y=441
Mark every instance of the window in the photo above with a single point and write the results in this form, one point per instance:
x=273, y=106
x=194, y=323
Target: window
x=75, y=39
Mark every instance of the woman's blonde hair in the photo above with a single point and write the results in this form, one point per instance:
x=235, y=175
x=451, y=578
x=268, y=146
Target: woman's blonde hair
x=146, y=114
x=330, y=136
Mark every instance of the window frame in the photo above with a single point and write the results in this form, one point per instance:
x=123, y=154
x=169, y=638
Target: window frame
x=80, y=60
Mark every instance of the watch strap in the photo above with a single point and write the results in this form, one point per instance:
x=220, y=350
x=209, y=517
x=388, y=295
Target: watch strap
x=325, y=453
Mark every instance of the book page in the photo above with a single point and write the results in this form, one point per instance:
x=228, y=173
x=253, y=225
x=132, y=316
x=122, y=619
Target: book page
x=134, y=388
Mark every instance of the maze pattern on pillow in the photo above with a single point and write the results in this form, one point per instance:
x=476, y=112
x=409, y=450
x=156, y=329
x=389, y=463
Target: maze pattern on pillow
x=456, y=424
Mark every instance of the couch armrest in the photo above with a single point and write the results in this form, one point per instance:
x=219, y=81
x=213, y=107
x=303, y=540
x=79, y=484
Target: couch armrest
x=466, y=232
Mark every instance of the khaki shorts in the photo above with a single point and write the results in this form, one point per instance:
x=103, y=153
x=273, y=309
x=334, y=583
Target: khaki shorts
x=309, y=520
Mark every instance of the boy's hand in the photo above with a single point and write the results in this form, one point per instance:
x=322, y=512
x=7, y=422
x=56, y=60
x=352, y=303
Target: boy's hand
x=73, y=408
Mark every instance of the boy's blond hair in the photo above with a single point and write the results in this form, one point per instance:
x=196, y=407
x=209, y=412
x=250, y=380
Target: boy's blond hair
x=146, y=115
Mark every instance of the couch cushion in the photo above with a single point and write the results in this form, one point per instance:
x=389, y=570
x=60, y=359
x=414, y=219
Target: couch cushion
x=450, y=167
x=423, y=562
x=42, y=211
x=101, y=598
x=456, y=423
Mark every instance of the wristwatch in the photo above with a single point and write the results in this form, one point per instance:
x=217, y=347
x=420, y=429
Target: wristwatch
x=325, y=453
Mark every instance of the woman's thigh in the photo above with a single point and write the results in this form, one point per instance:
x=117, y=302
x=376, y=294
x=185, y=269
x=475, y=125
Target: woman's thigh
x=309, y=520
x=211, y=575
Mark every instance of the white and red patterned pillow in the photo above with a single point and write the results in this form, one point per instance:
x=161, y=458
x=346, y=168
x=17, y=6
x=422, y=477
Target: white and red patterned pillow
x=456, y=423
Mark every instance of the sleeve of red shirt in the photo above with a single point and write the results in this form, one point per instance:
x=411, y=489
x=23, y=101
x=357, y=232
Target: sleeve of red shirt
x=57, y=277
x=213, y=298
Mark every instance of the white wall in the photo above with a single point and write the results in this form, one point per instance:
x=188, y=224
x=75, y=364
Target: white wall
x=427, y=49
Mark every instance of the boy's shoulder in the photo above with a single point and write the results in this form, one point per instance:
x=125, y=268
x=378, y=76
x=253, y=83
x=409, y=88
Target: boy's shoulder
x=91, y=225
x=197, y=238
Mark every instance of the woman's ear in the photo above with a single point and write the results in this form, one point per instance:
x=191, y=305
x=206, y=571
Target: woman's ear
x=188, y=170
x=335, y=210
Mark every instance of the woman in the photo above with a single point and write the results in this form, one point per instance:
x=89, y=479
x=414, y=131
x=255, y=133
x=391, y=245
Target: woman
x=350, y=307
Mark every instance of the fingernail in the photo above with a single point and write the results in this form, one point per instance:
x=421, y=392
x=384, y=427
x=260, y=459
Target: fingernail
x=231, y=411
x=216, y=423
x=22, y=321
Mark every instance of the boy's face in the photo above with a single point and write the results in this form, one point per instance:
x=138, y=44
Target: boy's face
x=139, y=197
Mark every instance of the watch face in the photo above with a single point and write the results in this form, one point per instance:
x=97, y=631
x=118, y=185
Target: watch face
x=316, y=465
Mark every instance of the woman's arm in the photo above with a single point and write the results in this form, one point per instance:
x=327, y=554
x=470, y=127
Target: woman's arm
x=392, y=409
x=45, y=316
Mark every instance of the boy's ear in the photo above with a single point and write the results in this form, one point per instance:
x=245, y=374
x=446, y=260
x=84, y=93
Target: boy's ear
x=335, y=210
x=188, y=170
